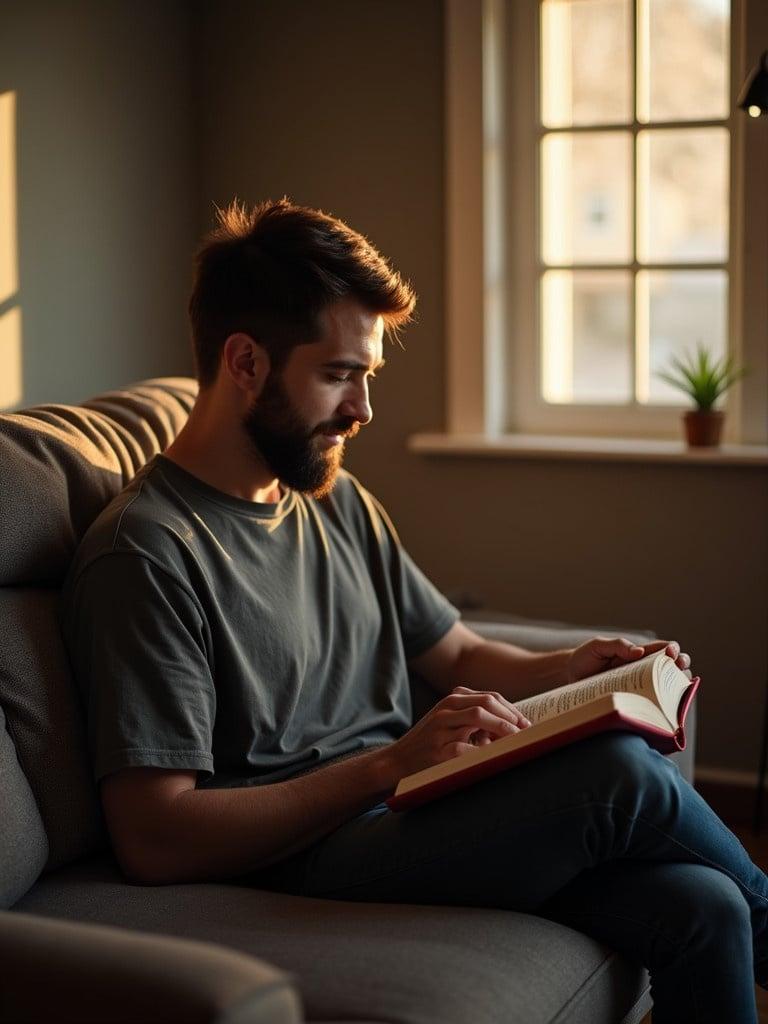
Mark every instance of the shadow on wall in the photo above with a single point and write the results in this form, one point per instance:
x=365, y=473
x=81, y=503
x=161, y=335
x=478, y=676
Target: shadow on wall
x=11, y=376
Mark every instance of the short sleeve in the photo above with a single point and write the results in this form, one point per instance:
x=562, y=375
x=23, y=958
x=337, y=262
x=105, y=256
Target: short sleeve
x=137, y=641
x=424, y=614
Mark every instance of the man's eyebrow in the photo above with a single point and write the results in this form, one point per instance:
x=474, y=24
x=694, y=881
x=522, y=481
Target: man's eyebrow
x=352, y=364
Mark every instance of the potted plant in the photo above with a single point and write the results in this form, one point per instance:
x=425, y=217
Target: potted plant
x=703, y=379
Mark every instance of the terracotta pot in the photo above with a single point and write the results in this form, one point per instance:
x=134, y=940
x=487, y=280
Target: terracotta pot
x=703, y=428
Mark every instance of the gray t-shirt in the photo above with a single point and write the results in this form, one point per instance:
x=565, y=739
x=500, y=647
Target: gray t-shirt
x=247, y=641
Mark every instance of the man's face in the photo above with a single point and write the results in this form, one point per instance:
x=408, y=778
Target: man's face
x=305, y=413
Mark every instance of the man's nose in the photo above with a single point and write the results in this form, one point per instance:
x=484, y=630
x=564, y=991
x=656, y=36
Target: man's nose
x=358, y=406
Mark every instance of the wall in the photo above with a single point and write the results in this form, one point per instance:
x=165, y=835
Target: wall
x=340, y=106
x=104, y=190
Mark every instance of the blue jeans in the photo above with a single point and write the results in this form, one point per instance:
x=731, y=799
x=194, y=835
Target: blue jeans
x=604, y=836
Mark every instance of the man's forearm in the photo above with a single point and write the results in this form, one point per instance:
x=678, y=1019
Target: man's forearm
x=209, y=833
x=512, y=671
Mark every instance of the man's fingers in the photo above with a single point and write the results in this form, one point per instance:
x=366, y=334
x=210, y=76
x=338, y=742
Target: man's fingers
x=481, y=738
x=623, y=648
x=469, y=721
x=670, y=647
x=492, y=701
x=660, y=645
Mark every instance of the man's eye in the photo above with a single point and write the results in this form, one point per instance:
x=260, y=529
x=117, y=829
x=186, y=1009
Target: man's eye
x=336, y=379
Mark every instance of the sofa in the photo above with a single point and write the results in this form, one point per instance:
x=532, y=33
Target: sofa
x=78, y=942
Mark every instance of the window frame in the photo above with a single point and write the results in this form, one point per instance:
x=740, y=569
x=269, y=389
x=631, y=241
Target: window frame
x=492, y=274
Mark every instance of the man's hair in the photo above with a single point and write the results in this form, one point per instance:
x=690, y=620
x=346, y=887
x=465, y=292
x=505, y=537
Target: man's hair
x=270, y=271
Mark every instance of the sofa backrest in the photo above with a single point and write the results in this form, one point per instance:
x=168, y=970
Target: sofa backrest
x=59, y=466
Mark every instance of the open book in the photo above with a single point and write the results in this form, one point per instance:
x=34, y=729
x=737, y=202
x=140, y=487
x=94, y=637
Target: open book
x=650, y=696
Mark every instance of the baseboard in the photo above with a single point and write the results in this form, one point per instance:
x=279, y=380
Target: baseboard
x=732, y=795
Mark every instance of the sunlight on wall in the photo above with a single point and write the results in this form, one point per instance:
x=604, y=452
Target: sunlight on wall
x=11, y=391
x=11, y=378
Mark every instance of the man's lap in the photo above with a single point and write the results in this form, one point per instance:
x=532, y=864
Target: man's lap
x=509, y=842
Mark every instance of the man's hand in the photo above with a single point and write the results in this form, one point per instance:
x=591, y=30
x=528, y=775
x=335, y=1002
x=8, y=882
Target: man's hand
x=459, y=722
x=604, y=653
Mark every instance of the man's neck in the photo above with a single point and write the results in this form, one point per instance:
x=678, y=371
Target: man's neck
x=215, y=450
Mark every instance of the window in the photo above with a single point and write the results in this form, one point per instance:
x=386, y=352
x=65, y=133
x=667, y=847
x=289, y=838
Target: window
x=596, y=186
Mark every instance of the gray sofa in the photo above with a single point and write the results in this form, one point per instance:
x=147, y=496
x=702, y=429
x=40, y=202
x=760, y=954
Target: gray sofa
x=79, y=943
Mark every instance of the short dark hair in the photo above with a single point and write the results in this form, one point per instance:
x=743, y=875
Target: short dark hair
x=270, y=271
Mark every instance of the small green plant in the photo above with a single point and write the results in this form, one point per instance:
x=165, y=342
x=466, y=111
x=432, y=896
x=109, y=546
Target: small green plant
x=703, y=378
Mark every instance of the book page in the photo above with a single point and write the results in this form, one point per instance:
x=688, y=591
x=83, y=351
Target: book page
x=634, y=677
x=671, y=685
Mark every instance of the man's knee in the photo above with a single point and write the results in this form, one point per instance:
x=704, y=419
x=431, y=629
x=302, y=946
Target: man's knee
x=624, y=770
x=712, y=907
x=620, y=754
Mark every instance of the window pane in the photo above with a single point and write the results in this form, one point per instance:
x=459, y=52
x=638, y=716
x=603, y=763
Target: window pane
x=586, y=61
x=677, y=311
x=586, y=337
x=682, y=195
x=682, y=67
x=586, y=199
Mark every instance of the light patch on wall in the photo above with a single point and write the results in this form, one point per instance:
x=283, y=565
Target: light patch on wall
x=11, y=378
x=9, y=278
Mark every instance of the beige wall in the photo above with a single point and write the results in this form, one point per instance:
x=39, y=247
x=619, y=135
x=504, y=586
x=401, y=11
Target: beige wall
x=339, y=104
x=105, y=220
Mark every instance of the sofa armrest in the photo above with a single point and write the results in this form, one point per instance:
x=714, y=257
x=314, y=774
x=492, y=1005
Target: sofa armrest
x=92, y=974
x=545, y=636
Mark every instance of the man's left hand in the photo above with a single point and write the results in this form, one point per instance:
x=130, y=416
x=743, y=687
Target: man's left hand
x=604, y=653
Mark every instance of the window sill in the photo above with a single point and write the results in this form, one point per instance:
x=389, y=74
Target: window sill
x=586, y=449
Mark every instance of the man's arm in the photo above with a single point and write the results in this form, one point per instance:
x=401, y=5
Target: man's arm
x=462, y=658
x=165, y=830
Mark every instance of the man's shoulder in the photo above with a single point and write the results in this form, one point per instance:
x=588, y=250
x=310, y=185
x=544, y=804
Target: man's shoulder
x=356, y=504
x=143, y=519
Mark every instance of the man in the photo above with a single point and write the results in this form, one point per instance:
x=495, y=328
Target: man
x=242, y=620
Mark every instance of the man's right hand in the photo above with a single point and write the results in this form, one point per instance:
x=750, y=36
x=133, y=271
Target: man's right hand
x=464, y=719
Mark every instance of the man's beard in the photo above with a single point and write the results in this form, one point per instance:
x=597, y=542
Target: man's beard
x=287, y=444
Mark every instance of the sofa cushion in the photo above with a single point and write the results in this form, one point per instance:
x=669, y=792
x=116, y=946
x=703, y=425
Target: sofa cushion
x=361, y=962
x=63, y=464
x=23, y=843
x=44, y=716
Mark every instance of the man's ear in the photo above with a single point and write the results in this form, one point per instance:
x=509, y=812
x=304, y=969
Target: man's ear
x=246, y=363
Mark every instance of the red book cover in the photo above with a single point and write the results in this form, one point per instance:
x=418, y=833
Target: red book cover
x=665, y=742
